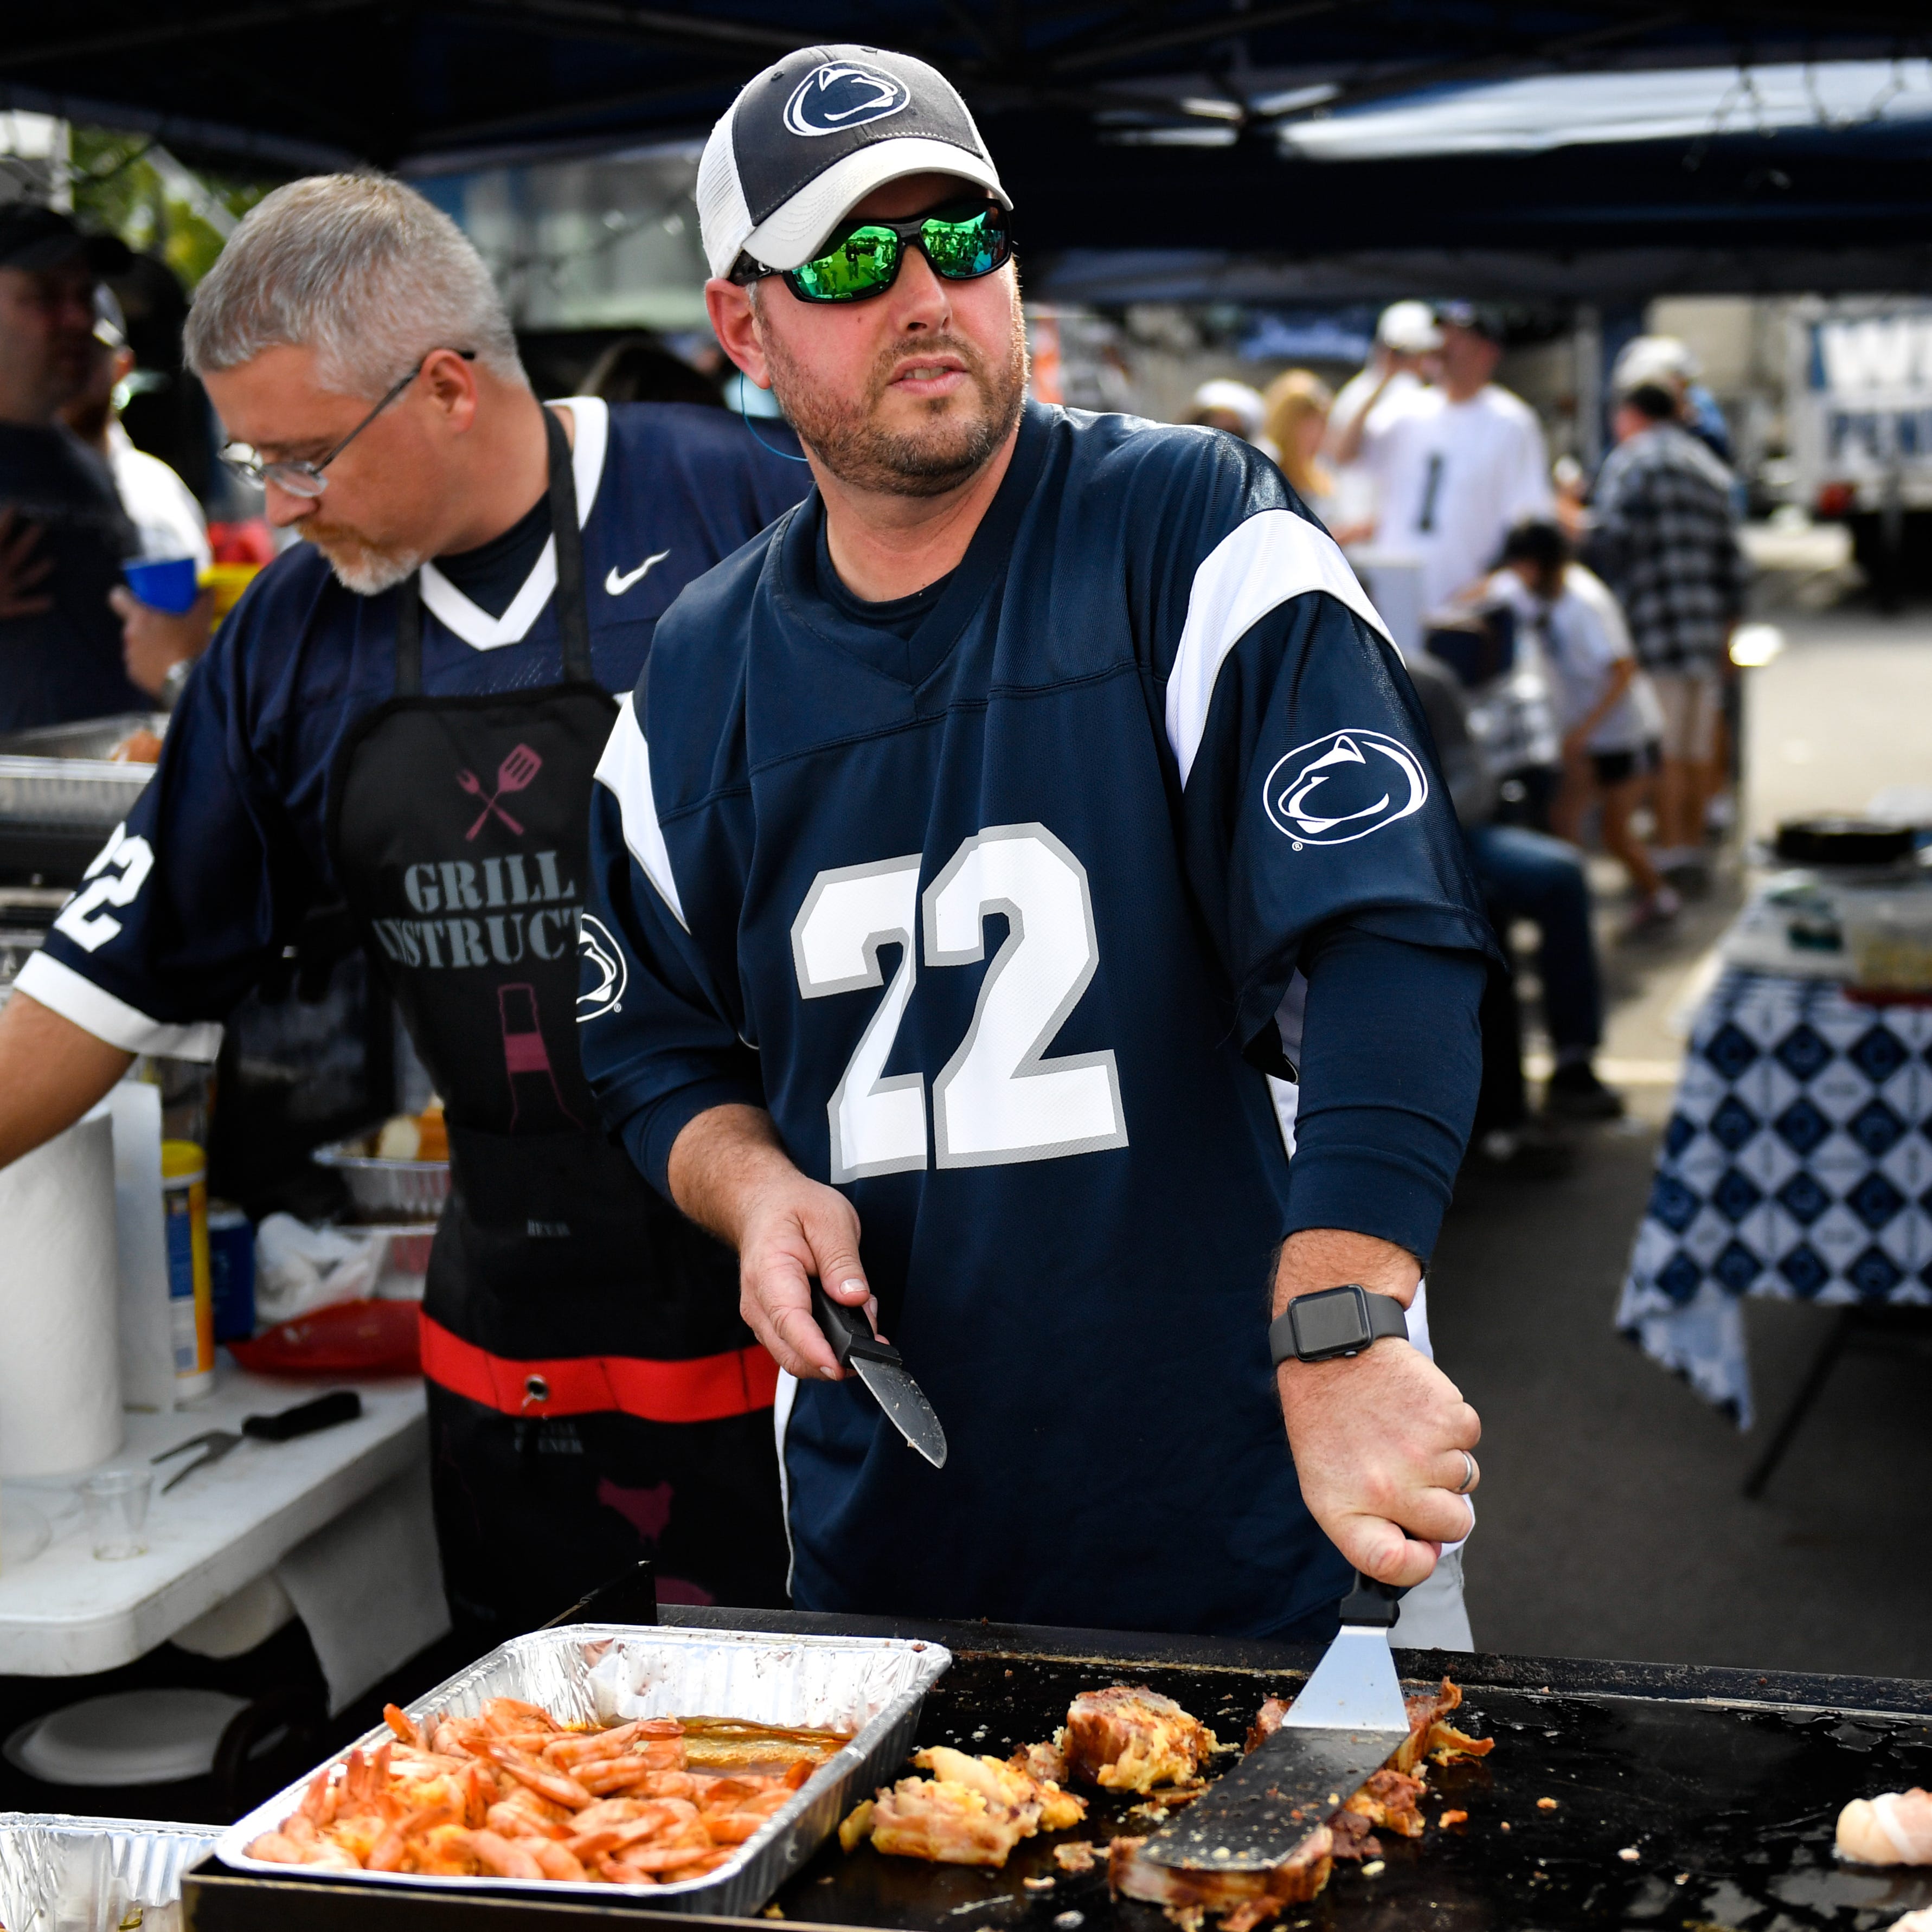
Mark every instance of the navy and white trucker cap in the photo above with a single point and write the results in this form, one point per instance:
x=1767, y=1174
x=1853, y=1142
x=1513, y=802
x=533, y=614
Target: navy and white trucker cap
x=813, y=136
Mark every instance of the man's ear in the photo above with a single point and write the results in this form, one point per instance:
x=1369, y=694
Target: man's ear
x=451, y=383
x=734, y=321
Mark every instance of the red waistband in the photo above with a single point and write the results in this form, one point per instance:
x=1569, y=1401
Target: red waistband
x=706, y=1389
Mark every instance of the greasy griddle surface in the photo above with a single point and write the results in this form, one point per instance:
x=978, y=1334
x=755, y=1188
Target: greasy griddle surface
x=1730, y=1809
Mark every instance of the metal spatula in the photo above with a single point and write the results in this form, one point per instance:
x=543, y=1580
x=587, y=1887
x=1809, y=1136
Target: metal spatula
x=1348, y=1720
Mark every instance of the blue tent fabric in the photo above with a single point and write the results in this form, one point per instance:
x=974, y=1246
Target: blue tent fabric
x=1132, y=128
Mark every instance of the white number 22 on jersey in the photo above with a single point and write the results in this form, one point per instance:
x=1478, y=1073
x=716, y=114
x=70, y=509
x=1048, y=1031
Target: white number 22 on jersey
x=998, y=1098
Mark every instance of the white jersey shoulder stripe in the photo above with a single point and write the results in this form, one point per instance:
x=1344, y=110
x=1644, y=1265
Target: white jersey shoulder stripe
x=474, y=625
x=1272, y=557
x=625, y=772
x=58, y=987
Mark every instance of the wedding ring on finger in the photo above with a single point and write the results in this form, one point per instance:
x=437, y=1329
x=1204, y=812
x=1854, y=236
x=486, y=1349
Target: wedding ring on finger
x=1470, y=1473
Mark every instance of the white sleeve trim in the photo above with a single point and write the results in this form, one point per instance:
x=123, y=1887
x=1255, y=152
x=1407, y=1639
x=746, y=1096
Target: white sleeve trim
x=625, y=772
x=1272, y=557
x=58, y=987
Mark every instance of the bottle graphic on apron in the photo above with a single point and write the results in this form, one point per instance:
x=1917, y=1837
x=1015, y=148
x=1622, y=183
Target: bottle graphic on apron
x=536, y=1101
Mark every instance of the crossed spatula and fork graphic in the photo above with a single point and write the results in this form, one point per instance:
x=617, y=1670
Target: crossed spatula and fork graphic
x=519, y=767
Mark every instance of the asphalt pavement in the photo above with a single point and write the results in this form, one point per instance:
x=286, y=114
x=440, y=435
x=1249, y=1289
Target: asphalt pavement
x=1611, y=1520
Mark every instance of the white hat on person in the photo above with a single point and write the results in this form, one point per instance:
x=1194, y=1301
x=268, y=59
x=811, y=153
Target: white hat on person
x=1237, y=399
x=1662, y=359
x=1409, y=328
x=812, y=135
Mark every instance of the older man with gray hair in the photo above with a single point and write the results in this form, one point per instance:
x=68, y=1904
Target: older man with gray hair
x=404, y=713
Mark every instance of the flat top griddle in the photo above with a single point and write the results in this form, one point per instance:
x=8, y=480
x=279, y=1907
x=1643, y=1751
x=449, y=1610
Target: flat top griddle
x=1727, y=1783
x=1730, y=1808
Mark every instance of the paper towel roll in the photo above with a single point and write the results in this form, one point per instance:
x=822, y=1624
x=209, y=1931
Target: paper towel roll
x=60, y=1357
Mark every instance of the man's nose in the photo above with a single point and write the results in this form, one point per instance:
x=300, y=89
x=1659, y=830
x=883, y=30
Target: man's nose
x=920, y=299
x=283, y=508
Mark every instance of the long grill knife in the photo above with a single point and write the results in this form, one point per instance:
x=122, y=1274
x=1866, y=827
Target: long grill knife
x=878, y=1365
x=1347, y=1722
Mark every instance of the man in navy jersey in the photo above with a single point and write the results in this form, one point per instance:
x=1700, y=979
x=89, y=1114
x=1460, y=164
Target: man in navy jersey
x=404, y=713
x=978, y=844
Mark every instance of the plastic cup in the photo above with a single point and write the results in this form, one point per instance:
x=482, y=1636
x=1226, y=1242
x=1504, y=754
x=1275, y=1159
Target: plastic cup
x=164, y=583
x=116, y=1503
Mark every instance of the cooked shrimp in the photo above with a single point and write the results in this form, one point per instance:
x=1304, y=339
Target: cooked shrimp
x=279, y=1849
x=390, y=1851
x=557, y=1861
x=554, y=1785
x=403, y=1724
x=519, y=1821
x=502, y=1857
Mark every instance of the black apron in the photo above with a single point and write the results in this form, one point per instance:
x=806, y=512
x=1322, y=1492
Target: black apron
x=594, y=1397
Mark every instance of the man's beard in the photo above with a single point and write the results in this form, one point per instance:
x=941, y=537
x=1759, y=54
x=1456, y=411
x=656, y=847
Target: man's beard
x=365, y=567
x=949, y=447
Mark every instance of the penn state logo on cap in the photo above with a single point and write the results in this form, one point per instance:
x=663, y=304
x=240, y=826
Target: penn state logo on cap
x=840, y=94
x=603, y=957
x=1334, y=789
x=806, y=140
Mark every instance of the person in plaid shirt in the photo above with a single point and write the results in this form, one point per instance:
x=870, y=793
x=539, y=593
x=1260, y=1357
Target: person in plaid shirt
x=1664, y=536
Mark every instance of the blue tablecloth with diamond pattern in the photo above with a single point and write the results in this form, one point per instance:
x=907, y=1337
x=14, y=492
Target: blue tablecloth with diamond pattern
x=1798, y=1162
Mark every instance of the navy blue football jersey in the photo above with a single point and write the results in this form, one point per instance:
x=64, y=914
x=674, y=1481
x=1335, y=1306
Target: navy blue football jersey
x=228, y=847
x=996, y=921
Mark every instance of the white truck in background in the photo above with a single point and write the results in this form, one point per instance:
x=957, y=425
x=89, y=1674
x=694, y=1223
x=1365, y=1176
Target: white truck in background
x=1859, y=422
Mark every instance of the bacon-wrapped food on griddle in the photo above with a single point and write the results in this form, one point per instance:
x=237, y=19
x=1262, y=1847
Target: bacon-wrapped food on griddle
x=971, y=1811
x=1388, y=1800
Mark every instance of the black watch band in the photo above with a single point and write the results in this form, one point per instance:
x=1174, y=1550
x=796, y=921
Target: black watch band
x=1335, y=1321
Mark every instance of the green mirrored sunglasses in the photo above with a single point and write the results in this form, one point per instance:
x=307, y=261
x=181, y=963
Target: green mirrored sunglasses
x=963, y=242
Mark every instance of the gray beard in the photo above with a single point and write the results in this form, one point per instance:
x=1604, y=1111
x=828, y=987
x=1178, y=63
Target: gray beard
x=371, y=571
x=842, y=435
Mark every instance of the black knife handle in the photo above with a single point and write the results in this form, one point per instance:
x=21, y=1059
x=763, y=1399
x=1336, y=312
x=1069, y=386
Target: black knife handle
x=325, y=1412
x=1373, y=1603
x=848, y=1331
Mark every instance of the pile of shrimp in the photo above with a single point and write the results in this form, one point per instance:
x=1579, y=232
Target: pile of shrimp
x=512, y=1793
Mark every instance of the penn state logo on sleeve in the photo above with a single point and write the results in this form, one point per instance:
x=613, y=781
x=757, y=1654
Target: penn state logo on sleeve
x=604, y=975
x=1342, y=787
x=840, y=94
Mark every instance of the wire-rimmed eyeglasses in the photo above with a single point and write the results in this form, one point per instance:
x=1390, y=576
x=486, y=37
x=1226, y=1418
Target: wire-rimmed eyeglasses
x=306, y=479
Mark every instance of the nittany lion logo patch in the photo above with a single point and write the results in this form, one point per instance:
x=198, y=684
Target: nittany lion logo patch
x=1343, y=787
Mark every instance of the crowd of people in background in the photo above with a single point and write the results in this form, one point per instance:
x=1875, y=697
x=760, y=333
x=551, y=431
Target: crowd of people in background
x=1569, y=631
x=1570, y=641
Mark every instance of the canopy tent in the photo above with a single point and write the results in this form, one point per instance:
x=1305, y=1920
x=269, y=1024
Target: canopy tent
x=1244, y=148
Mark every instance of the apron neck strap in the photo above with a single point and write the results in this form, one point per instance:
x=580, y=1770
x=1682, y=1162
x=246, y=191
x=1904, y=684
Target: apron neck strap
x=408, y=636
x=573, y=621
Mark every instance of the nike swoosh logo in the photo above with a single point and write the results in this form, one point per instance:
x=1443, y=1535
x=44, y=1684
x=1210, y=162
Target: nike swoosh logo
x=617, y=582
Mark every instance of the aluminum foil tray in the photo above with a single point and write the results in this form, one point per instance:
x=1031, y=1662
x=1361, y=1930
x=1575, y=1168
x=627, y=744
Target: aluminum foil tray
x=60, y=775
x=386, y=1190
x=65, y=1874
x=609, y=1673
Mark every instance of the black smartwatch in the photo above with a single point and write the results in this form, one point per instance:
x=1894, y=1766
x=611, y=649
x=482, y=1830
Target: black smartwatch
x=1335, y=1321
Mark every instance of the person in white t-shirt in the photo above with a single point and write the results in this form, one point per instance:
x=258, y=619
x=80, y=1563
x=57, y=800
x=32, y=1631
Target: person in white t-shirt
x=1399, y=364
x=1457, y=464
x=1605, y=709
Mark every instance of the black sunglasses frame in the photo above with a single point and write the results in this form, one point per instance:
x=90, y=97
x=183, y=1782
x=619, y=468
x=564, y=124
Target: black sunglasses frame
x=911, y=233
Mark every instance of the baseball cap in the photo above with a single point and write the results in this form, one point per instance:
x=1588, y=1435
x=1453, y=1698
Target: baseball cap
x=34, y=236
x=1647, y=359
x=1472, y=315
x=814, y=135
x=1237, y=399
x=1409, y=329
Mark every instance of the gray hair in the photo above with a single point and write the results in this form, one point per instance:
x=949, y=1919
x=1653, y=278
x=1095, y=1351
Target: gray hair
x=360, y=269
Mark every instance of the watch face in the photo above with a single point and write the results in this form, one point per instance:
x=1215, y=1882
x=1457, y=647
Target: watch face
x=1331, y=1320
